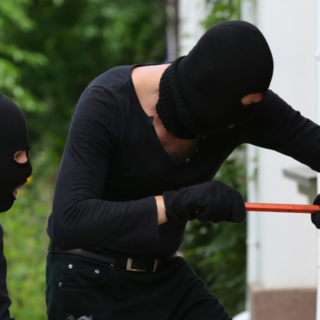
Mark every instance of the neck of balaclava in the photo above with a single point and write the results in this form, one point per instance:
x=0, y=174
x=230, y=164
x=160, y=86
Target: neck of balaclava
x=171, y=108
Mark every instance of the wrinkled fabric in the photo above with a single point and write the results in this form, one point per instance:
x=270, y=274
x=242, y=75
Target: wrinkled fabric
x=78, y=286
x=114, y=164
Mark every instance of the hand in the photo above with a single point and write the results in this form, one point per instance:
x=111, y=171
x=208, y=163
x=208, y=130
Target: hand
x=217, y=202
x=315, y=217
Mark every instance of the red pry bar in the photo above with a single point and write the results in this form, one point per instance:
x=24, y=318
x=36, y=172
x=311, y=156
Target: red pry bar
x=277, y=207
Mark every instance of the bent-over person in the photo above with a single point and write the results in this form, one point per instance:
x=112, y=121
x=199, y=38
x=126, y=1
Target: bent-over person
x=144, y=144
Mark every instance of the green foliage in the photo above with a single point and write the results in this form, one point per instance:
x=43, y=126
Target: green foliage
x=24, y=225
x=14, y=11
x=217, y=252
x=13, y=15
x=222, y=10
x=82, y=39
x=25, y=245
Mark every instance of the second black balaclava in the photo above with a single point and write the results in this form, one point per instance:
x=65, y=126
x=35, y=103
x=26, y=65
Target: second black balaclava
x=13, y=137
x=201, y=93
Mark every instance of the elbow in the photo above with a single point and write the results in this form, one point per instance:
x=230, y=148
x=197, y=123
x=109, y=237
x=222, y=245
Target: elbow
x=60, y=239
x=62, y=231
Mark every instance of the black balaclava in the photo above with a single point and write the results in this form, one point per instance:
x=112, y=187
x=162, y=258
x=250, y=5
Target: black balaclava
x=13, y=137
x=201, y=93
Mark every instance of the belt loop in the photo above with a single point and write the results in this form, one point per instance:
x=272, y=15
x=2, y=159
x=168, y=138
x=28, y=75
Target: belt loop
x=156, y=265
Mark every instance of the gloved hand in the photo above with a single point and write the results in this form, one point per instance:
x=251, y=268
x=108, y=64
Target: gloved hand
x=210, y=201
x=315, y=217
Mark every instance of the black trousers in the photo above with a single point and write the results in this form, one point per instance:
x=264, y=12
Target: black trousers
x=79, y=286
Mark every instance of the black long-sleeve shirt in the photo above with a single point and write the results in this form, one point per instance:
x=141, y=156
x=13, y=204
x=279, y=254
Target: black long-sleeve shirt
x=5, y=301
x=114, y=164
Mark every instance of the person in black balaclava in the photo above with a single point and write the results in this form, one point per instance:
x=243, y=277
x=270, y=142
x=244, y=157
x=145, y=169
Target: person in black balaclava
x=15, y=168
x=144, y=144
x=201, y=93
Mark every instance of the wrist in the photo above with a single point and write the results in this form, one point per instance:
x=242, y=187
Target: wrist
x=161, y=209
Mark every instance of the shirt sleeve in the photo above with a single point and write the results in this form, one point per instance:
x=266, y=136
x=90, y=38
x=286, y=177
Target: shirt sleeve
x=5, y=301
x=278, y=127
x=80, y=218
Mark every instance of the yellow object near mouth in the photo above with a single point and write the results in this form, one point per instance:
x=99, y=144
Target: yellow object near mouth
x=29, y=180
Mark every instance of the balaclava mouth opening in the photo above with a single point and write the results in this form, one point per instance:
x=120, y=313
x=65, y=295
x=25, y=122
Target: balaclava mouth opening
x=201, y=93
x=13, y=137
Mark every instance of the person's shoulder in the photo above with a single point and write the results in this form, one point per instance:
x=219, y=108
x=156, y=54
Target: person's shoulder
x=271, y=97
x=106, y=96
x=113, y=79
x=271, y=104
x=109, y=88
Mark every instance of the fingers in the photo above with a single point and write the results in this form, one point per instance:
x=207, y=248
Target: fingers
x=238, y=213
x=317, y=200
x=315, y=218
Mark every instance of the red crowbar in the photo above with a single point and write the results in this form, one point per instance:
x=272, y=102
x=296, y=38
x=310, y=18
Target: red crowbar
x=275, y=207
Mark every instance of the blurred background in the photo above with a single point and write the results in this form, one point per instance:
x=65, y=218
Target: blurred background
x=50, y=50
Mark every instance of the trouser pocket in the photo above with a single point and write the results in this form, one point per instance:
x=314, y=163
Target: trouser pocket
x=78, y=287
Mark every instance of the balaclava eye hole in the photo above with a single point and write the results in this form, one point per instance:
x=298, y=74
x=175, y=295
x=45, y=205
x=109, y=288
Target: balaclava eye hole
x=27, y=155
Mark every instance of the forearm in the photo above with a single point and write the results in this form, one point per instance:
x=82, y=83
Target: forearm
x=97, y=223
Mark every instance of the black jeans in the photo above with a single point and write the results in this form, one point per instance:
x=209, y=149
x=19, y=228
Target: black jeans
x=79, y=286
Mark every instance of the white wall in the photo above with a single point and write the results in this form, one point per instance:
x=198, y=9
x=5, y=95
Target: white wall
x=287, y=254
x=191, y=13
